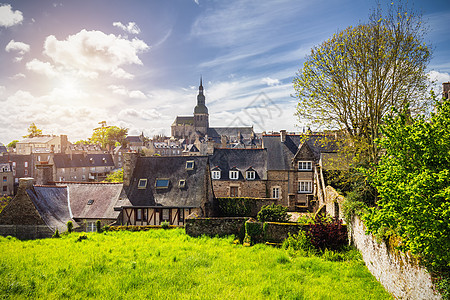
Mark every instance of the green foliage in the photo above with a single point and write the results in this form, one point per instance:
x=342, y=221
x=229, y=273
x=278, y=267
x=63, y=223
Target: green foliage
x=12, y=144
x=165, y=225
x=352, y=207
x=56, y=234
x=167, y=264
x=327, y=233
x=254, y=232
x=352, y=80
x=301, y=243
x=235, y=206
x=273, y=213
x=98, y=224
x=33, y=131
x=69, y=226
x=108, y=135
x=116, y=176
x=4, y=201
x=413, y=181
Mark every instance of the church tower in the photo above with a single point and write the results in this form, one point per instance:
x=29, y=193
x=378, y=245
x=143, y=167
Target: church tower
x=201, y=117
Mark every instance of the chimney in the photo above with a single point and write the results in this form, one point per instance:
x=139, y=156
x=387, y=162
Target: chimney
x=25, y=183
x=446, y=90
x=129, y=162
x=283, y=135
x=44, y=173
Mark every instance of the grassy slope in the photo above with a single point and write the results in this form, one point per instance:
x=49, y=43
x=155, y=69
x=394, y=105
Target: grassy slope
x=168, y=264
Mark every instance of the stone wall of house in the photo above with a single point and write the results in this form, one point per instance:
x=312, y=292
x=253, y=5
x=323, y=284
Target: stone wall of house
x=284, y=180
x=399, y=275
x=215, y=226
x=277, y=232
x=333, y=203
x=254, y=205
x=26, y=232
x=246, y=188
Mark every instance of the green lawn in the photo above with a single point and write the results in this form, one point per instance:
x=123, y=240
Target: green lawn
x=168, y=264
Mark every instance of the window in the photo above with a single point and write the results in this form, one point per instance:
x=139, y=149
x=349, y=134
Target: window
x=90, y=202
x=305, y=165
x=26, y=164
x=182, y=183
x=234, y=174
x=234, y=191
x=215, y=174
x=165, y=214
x=84, y=169
x=276, y=192
x=4, y=179
x=5, y=188
x=139, y=214
x=90, y=227
x=142, y=183
x=63, y=170
x=305, y=186
x=162, y=183
x=83, y=177
x=25, y=172
x=250, y=175
x=190, y=165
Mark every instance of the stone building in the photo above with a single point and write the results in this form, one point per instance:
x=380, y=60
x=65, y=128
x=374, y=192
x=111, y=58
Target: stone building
x=43, y=144
x=7, y=179
x=82, y=167
x=239, y=172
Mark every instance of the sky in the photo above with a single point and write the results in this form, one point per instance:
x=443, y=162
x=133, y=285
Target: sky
x=68, y=65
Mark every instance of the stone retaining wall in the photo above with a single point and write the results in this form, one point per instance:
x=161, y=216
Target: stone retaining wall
x=216, y=226
x=26, y=232
x=400, y=277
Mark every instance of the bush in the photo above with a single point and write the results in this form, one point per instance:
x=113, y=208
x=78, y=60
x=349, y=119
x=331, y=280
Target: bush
x=327, y=232
x=99, y=226
x=69, y=226
x=235, y=206
x=56, y=234
x=165, y=225
x=299, y=242
x=273, y=213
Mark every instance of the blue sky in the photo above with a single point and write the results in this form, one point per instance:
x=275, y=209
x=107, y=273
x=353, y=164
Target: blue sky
x=67, y=65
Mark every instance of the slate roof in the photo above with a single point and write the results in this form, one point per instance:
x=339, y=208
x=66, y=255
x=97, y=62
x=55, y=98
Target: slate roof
x=187, y=120
x=3, y=148
x=231, y=132
x=52, y=204
x=281, y=154
x=174, y=169
x=37, y=139
x=105, y=197
x=61, y=160
x=242, y=160
x=134, y=139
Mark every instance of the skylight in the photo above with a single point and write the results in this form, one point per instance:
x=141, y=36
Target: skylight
x=162, y=183
x=182, y=183
x=142, y=183
x=190, y=165
x=90, y=202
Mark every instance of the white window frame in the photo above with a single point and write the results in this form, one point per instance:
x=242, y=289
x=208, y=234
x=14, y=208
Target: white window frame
x=142, y=184
x=276, y=192
x=182, y=183
x=91, y=226
x=26, y=164
x=215, y=174
x=305, y=186
x=305, y=165
x=250, y=175
x=234, y=175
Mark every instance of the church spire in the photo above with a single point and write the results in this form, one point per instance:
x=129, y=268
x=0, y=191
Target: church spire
x=200, y=88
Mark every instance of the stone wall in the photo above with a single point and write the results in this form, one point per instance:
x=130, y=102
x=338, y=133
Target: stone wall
x=399, y=276
x=215, y=226
x=278, y=232
x=246, y=188
x=226, y=207
x=26, y=232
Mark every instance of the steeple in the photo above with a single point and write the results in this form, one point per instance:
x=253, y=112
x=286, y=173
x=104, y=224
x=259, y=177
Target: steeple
x=201, y=107
x=201, y=117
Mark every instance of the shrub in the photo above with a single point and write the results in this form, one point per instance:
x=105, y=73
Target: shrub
x=99, y=226
x=83, y=236
x=69, y=226
x=165, y=225
x=235, y=206
x=299, y=242
x=56, y=234
x=273, y=213
x=327, y=232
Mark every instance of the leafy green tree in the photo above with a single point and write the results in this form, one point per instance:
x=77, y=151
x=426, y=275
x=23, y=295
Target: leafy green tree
x=109, y=135
x=413, y=182
x=12, y=144
x=351, y=81
x=33, y=131
x=116, y=176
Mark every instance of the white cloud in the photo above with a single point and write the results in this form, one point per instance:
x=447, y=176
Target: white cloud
x=121, y=90
x=17, y=76
x=270, y=82
x=41, y=67
x=8, y=17
x=439, y=77
x=130, y=28
x=91, y=52
x=130, y=114
x=20, y=47
x=2, y=89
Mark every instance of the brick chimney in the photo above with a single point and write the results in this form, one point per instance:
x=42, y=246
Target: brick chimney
x=283, y=135
x=446, y=90
x=44, y=173
x=129, y=162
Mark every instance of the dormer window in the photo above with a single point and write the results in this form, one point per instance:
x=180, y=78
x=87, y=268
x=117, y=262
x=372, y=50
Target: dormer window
x=305, y=165
x=190, y=165
x=142, y=183
x=234, y=174
x=104, y=160
x=215, y=174
x=90, y=202
x=91, y=160
x=250, y=175
x=182, y=183
x=162, y=183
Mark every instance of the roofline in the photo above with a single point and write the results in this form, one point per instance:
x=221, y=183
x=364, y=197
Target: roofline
x=81, y=182
x=166, y=207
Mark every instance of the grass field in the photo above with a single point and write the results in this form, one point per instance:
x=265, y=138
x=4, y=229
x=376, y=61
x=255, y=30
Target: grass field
x=168, y=264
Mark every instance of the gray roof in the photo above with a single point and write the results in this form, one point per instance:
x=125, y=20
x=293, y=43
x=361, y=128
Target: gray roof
x=105, y=197
x=174, y=169
x=37, y=139
x=281, y=154
x=231, y=132
x=61, y=160
x=52, y=204
x=242, y=160
x=3, y=148
x=184, y=120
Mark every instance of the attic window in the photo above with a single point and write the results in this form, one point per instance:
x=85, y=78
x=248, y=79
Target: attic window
x=250, y=175
x=182, y=183
x=305, y=165
x=215, y=174
x=162, y=183
x=142, y=183
x=234, y=174
x=190, y=165
x=90, y=202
